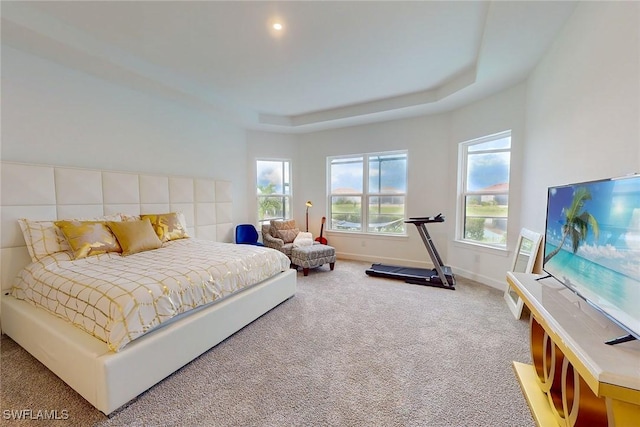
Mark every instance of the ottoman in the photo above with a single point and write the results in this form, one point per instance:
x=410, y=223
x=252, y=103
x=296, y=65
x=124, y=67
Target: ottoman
x=312, y=256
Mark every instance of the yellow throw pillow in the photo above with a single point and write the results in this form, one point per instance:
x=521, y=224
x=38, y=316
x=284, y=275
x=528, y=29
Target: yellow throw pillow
x=169, y=226
x=135, y=236
x=88, y=238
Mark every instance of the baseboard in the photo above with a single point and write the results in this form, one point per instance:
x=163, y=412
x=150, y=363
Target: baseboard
x=488, y=281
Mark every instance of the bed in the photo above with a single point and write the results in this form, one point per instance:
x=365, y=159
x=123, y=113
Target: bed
x=111, y=367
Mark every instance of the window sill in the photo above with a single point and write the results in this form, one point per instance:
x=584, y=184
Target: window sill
x=360, y=234
x=495, y=250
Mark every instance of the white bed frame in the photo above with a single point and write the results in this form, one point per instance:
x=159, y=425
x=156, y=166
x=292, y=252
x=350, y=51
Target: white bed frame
x=106, y=379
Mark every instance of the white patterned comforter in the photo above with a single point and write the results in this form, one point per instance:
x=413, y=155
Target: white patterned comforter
x=117, y=299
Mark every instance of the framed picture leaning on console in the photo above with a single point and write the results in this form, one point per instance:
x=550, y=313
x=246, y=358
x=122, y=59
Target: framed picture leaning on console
x=524, y=260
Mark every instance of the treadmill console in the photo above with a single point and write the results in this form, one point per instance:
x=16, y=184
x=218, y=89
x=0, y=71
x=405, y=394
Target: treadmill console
x=425, y=219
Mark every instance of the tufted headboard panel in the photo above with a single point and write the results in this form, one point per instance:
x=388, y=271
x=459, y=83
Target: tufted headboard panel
x=43, y=192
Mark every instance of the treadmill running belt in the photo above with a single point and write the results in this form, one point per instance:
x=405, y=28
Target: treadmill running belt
x=404, y=271
x=414, y=275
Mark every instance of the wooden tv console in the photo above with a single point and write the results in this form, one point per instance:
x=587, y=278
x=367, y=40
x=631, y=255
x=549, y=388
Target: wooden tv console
x=575, y=379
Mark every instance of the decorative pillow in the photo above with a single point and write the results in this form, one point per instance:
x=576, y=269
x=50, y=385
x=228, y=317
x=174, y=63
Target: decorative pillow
x=169, y=226
x=135, y=236
x=88, y=238
x=303, y=239
x=285, y=230
x=273, y=230
x=44, y=238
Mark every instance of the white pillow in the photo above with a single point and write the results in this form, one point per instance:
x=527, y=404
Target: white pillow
x=44, y=238
x=303, y=239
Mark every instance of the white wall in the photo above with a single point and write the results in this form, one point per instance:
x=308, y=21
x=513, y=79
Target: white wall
x=583, y=114
x=52, y=114
x=501, y=112
x=433, y=163
x=426, y=139
x=432, y=142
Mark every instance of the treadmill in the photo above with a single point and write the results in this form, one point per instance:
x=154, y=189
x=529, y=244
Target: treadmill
x=440, y=276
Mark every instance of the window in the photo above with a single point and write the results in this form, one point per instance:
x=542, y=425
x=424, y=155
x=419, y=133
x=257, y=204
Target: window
x=368, y=192
x=483, y=204
x=273, y=189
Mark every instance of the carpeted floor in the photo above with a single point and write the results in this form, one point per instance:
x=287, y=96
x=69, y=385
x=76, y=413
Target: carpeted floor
x=347, y=350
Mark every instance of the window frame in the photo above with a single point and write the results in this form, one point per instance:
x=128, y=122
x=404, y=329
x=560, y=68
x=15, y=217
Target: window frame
x=463, y=192
x=366, y=195
x=287, y=199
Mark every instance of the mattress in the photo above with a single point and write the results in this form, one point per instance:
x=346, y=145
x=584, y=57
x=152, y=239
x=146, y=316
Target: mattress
x=120, y=298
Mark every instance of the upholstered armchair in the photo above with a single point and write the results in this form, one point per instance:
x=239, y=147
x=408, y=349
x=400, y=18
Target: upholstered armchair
x=280, y=235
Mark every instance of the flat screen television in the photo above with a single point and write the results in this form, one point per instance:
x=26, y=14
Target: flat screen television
x=592, y=246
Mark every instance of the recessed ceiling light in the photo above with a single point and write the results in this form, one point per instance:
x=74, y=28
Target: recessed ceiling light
x=277, y=26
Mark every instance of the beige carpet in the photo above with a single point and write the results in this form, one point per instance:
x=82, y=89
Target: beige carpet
x=347, y=350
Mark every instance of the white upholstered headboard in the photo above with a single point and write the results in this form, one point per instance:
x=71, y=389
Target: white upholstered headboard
x=43, y=192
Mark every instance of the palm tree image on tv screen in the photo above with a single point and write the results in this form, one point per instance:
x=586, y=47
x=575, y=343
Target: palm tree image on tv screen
x=577, y=223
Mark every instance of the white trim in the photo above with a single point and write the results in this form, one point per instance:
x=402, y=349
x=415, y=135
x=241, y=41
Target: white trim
x=463, y=156
x=366, y=195
x=482, y=247
x=289, y=196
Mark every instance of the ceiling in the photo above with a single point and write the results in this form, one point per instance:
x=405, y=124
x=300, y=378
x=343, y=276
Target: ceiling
x=334, y=63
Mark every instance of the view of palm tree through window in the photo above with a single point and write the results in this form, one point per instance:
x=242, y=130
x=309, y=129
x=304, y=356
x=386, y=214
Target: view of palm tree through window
x=273, y=190
x=368, y=193
x=485, y=194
